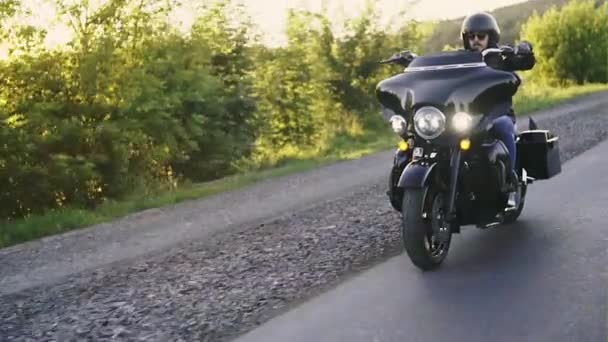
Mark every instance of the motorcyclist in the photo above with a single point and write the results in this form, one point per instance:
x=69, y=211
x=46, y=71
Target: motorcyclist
x=480, y=32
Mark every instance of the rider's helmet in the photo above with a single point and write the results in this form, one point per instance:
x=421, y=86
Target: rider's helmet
x=480, y=22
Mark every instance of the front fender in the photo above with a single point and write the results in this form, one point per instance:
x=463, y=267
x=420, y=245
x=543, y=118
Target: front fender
x=416, y=175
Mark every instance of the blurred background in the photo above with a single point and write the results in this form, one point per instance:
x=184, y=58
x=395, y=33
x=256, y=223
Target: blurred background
x=109, y=107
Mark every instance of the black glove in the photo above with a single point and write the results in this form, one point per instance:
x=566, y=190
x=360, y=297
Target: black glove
x=524, y=48
x=407, y=55
x=403, y=58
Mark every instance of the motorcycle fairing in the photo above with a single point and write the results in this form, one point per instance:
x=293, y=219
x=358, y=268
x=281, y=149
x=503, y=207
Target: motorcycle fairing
x=459, y=80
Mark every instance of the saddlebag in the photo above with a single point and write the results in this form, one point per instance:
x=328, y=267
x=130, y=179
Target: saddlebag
x=538, y=153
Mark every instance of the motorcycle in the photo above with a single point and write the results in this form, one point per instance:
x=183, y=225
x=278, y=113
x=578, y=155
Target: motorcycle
x=449, y=169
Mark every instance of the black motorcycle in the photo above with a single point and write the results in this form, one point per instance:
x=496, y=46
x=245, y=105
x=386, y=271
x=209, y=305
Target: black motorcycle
x=450, y=170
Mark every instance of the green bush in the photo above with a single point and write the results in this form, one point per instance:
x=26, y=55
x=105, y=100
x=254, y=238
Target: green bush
x=119, y=113
x=131, y=106
x=571, y=42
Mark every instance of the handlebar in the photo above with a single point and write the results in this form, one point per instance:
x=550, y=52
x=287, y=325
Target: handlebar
x=504, y=51
x=403, y=58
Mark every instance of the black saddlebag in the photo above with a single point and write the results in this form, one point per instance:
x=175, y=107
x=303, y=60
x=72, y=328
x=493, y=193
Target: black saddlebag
x=538, y=153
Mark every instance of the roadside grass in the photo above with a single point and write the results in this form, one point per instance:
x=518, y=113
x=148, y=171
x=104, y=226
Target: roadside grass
x=375, y=138
x=533, y=97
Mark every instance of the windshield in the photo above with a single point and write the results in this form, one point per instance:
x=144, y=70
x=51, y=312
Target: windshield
x=448, y=58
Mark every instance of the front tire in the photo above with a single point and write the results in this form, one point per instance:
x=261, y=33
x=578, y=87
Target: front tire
x=419, y=238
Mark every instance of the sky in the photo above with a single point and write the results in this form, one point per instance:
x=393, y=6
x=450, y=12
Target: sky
x=270, y=15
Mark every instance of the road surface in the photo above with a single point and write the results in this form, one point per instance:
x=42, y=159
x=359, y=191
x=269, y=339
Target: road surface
x=51, y=259
x=215, y=268
x=541, y=279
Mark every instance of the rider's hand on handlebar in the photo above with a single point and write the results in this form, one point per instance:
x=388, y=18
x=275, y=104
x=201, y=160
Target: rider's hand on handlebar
x=408, y=55
x=507, y=51
x=403, y=58
x=523, y=48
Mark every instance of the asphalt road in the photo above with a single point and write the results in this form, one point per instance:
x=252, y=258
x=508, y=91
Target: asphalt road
x=212, y=269
x=541, y=279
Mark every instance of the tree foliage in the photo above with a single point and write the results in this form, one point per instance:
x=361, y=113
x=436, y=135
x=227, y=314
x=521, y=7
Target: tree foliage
x=571, y=42
x=132, y=105
x=321, y=84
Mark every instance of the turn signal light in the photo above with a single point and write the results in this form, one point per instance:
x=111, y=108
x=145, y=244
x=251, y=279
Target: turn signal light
x=403, y=146
x=465, y=144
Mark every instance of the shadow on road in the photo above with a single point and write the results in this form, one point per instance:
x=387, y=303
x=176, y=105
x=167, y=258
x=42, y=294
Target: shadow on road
x=489, y=275
x=495, y=249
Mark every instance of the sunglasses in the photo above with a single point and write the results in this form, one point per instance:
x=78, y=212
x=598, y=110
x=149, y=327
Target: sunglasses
x=479, y=35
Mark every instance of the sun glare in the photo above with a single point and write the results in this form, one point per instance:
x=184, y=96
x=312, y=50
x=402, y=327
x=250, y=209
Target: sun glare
x=271, y=15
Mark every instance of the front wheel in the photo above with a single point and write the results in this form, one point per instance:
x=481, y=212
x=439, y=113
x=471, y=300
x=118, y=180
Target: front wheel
x=426, y=240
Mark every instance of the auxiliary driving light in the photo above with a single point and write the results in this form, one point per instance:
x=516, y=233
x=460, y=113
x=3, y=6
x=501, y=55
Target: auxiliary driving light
x=465, y=144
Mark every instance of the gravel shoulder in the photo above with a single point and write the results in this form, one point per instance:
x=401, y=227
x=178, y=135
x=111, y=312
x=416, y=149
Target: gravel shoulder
x=215, y=276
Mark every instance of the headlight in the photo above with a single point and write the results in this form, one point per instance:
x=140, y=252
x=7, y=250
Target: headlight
x=398, y=124
x=462, y=122
x=429, y=122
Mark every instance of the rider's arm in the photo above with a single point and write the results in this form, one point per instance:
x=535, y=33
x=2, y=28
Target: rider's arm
x=522, y=58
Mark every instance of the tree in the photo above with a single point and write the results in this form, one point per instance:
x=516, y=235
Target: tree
x=19, y=38
x=132, y=105
x=321, y=85
x=571, y=43
x=220, y=41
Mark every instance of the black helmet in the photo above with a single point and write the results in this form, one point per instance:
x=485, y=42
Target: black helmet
x=480, y=22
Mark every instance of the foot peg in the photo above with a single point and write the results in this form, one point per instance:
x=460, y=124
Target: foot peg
x=526, y=178
x=497, y=220
x=512, y=201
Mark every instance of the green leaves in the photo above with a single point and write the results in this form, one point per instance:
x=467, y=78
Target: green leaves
x=132, y=106
x=321, y=85
x=571, y=43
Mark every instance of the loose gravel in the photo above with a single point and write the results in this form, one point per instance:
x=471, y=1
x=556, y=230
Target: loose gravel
x=216, y=289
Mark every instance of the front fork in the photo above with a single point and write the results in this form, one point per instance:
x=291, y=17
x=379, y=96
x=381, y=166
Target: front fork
x=418, y=175
x=450, y=209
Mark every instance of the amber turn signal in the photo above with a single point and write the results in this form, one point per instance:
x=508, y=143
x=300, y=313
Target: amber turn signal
x=465, y=144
